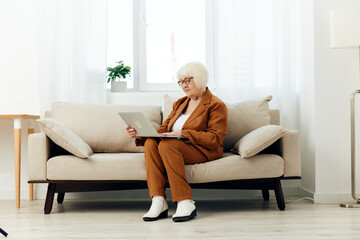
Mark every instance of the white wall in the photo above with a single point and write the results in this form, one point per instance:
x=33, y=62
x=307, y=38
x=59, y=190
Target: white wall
x=336, y=77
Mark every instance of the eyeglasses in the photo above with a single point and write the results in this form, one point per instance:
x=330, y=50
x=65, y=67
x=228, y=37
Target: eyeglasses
x=186, y=80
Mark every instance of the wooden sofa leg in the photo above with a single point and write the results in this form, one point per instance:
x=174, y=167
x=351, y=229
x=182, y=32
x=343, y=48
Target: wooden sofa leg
x=49, y=198
x=265, y=194
x=60, y=198
x=279, y=194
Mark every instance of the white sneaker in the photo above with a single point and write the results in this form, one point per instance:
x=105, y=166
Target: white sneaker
x=185, y=210
x=158, y=209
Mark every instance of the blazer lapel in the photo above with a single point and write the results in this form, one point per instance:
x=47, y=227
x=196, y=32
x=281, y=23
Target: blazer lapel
x=177, y=114
x=203, y=104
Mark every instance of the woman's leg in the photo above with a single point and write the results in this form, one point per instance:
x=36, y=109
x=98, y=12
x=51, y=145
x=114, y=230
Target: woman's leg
x=155, y=169
x=175, y=154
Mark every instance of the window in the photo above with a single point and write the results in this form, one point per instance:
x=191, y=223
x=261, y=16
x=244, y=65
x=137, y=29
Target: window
x=155, y=38
x=175, y=34
x=120, y=34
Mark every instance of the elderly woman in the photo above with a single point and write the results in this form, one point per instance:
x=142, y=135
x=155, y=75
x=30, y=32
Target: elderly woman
x=200, y=117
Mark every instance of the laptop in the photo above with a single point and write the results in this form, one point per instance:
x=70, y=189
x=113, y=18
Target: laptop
x=142, y=125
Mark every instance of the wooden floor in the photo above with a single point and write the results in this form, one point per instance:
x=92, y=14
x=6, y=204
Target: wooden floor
x=242, y=219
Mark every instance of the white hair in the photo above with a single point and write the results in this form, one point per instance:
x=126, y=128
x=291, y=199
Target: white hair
x=196, y=70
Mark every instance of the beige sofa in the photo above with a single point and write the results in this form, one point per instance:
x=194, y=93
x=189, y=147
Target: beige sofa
x=99, y=156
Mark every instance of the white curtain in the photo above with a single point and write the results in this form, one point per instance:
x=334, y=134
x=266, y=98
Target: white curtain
x=257, y=53
x=72, y=37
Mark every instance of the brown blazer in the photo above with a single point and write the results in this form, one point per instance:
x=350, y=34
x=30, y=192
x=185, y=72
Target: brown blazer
x=206, y=126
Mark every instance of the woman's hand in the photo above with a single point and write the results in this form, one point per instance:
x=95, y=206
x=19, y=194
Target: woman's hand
x=176, y=134
x=130, y=132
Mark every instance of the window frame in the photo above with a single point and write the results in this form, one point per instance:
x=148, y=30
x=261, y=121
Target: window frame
x=139, y=49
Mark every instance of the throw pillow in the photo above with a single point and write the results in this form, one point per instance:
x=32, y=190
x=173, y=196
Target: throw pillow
x=245, y=117
x=65, y=138
x=257, y=140
x=168, y=105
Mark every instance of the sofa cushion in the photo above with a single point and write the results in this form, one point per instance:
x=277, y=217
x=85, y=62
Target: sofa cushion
x=100, y=126
x=258, y=139
x=65, y=138
x=100, y=166
x=245, y=117
x=131, y=166
x=234, y=167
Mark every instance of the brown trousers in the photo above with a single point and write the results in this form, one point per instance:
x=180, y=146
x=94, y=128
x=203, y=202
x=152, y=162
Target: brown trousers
x=169, y=156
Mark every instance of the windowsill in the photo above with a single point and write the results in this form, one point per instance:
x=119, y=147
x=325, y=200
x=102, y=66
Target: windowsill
x=140, y=98
x=131, y=91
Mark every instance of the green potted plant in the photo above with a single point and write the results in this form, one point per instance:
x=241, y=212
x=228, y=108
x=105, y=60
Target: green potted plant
x=116, y=74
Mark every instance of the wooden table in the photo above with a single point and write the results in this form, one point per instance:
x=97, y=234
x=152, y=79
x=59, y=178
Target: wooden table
x=17, y=147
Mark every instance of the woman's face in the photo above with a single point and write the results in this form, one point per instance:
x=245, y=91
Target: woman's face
x=188, y=86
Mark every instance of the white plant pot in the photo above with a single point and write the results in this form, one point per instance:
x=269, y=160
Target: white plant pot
x=118, y=86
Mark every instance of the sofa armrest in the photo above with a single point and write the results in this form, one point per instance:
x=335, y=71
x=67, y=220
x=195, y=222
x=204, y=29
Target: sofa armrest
x=38, y=154
x=290, y=152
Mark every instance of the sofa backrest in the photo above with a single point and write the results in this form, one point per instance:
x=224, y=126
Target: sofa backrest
x=243, y=117
x=274, y=116
x=100, y=126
